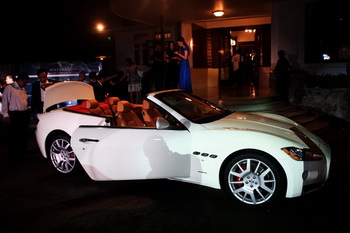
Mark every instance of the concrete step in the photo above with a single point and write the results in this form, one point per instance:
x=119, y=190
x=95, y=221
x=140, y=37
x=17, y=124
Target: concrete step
x=249, y=101
x=293, y=114
x=282, y=109
x=264, y=108
x=304, y=119
x=238, y=99
x=269, y=105
x=260, y=107
x=316, y=126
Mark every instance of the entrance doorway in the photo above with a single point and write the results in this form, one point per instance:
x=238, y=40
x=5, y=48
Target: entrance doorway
x=216, y=48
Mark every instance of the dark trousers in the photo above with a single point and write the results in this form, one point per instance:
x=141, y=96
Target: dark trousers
x=18, y=135
x=282, y=83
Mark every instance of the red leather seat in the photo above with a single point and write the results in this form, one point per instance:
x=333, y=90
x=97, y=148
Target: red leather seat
x=126, y=116
x=150, y=113
x=93, y=107
x=112, y=103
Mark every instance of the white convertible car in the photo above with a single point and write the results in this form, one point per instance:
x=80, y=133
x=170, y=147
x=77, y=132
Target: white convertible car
x=255, y=157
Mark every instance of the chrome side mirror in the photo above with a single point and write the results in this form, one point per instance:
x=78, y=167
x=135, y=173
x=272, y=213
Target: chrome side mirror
x=161, y=123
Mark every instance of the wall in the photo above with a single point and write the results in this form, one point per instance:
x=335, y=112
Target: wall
x=125, y=43
x=243, y=36
x=124, y=48
x=287, y=33
x=186, y=33
x=235, y=22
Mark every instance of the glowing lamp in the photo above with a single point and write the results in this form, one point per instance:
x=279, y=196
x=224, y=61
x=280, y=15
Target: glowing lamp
x=218, y=13
x=100, y=27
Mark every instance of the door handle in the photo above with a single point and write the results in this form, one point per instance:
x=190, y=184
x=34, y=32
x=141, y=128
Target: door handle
x=88, y=140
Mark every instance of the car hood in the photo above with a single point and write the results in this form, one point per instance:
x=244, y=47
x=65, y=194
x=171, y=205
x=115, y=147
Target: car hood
x=66, y=91
x=259, y=122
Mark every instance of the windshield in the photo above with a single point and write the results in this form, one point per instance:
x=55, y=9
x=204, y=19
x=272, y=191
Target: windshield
x=192, y=107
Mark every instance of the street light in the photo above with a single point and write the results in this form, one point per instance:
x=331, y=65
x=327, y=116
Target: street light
x=105, y=44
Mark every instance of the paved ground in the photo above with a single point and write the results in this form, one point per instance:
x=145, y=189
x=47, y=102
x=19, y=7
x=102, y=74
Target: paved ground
x=34, y=198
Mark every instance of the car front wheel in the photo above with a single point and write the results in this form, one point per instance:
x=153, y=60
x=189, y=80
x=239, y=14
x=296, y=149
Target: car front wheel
x=61, y=155
x=254, y=179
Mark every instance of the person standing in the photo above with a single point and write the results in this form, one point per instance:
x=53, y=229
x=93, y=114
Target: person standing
x=9, y=79
x=82, y=76
x=185, y=72
x=16, y=112
x=158, y=66
x=172, y=67
x=38, y=91
x=92, y=77
x=237, y=63
x=2, y=87
x=134, y=80
x=282, y=76
x=100, y=90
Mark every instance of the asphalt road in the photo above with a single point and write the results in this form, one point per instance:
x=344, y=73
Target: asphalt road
x=35, y=198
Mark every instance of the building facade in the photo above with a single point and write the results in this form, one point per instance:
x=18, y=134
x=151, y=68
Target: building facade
x=213, y=42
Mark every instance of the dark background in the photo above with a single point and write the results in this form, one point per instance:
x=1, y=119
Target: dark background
x=53, y=30
x=327, y=31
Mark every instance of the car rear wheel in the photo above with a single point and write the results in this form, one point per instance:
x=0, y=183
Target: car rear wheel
x=254, y=179
x=61, y=154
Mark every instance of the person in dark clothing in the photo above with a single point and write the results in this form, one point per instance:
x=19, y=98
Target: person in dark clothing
x=99, y=87
x=158, y=66
x=282, y=76
x=172, y=67
x=92, y=77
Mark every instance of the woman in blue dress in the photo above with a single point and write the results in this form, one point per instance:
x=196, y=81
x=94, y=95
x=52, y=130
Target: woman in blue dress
x=185, y=73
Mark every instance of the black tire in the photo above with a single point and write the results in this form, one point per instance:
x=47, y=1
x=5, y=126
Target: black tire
x=254, y=179
x=62, y=156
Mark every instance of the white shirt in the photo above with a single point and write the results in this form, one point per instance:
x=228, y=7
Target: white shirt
x=42, y=91
x=14, y=98
x=235, y=60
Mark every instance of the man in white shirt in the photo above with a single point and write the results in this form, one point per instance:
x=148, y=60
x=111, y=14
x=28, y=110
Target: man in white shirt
x=236, y=63
x=236, y=60
x=38, y=91
x=15, y=112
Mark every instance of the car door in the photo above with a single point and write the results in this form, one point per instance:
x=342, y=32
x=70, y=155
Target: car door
x=120, y=153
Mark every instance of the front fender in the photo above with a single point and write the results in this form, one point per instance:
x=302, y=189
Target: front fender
x=233, y=142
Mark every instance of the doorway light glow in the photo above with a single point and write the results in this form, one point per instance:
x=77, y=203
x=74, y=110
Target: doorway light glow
x=218, y=13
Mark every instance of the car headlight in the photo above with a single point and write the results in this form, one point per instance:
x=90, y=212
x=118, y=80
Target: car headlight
x=302, y=154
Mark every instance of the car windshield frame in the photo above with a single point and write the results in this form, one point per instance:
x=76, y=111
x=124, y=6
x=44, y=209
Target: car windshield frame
x=192, y=107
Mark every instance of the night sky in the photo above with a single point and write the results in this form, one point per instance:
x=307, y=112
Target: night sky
x=51, y=30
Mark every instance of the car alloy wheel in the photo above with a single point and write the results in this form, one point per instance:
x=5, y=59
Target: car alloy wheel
x=61, y=154
x=253, y=179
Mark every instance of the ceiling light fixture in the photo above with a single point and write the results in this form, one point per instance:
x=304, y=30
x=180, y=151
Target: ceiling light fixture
x=218, y=13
